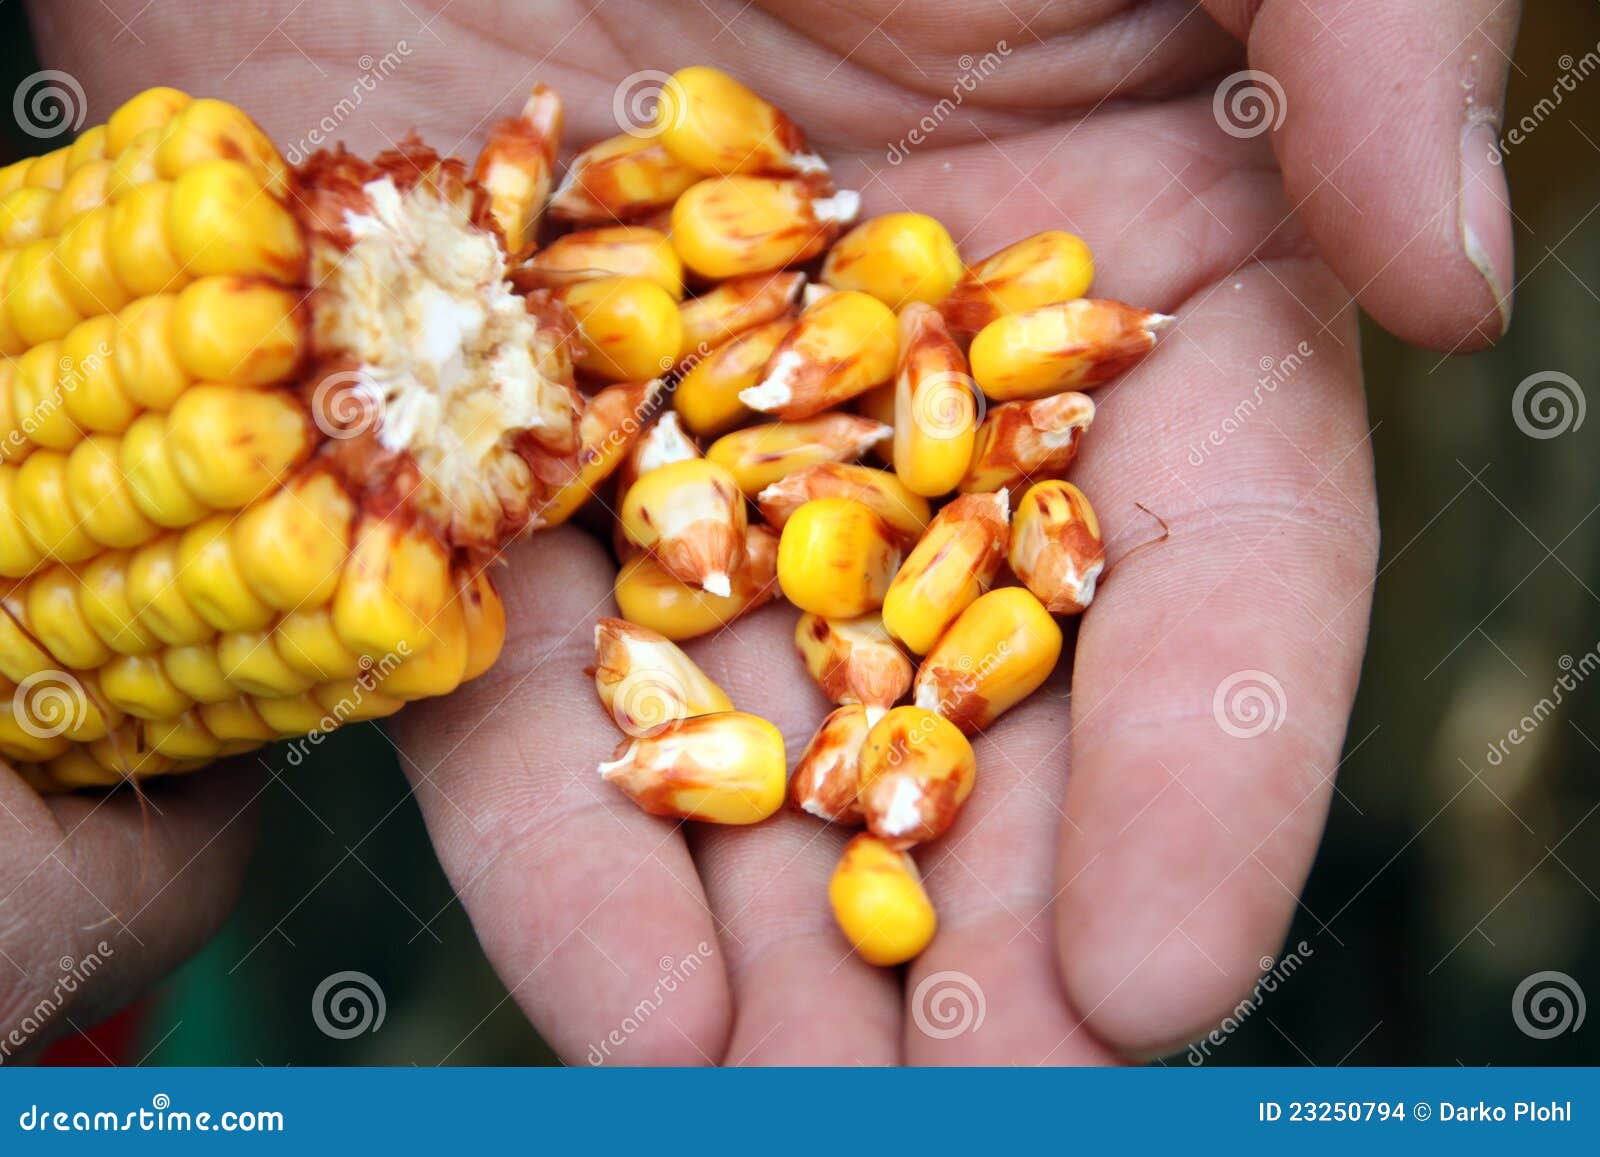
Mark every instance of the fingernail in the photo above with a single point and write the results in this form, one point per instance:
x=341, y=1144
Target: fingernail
x=1486, y=214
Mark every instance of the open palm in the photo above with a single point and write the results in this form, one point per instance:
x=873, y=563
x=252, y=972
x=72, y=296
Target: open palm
x=1140, y=829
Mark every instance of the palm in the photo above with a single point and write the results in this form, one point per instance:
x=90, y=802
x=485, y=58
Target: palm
x=1124, y=862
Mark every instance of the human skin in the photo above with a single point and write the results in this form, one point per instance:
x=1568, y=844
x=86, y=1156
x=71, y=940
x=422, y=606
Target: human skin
x=1125, y=863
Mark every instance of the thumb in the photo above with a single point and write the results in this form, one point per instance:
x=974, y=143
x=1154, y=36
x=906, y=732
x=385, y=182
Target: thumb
x=1388, y=143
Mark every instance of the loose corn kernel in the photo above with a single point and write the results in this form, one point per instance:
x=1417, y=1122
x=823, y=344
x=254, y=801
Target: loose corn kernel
x=1038, y=270
x=759, y=456
x=878, y=404
x=839, y=347
x=917, y=769
x=707, y=396
x=727, y=768
x=836, y=558
x=825, y=780
x=662, y=443
x=952, y=564
x=615, y=251
x=620, y=178
x=628, y=327
x=646, y=681
x=733, y=307
x=607, y=432
x=853, y=660
x=880, y=903
x=906, y=513
x=395, y=583
x=898, y=258
x=648, y=595
x=1066, y=346
x=691, y=516
x=517, y=167
x=1021, y=441
x=998, y=652
x=1056, y=548
x=935, y=405
x=712, y=123
x=734, y=226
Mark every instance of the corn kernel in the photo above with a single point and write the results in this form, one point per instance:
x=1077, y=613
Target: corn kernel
x=898, y=258
x=951, y=565
x=1000, y=651
x=1038, y=270
x=648, y=595
x=292, y=546
x=620, y=178
x=853, y=660
x=438, y=668
x=231, y=446
x=727, y=768
x=1056, y=548
x=844, y=344
x=662, y=443
x=734, y=226
x=607, y=432
x=880, y=903
x=1066, y=346
x=628, y=327
x=712, y=123
x=707, y=396
x=616, y=251
x=836, y=558
x=1021, y=441
x=646, y=681
x=221, y=221
x=936, y=405
x=917, y=769
x=825, y=780
x=517, y=167
x=906, y=513
x=759, y=456
x=733, y=307
x=396, y=581
x=691, y=516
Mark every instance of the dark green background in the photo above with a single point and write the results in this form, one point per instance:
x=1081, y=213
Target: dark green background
x=1442, y=881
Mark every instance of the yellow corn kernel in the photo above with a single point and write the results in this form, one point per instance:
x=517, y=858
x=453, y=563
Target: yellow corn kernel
x=86, y=187
x=836, y=558
x=231, y=446
x=138, y=685
x=691, y=516
x=729, y=309
x=308, y=641
x=661, y=444
x=1038, y=270
x=152, y=476
x=21, y=740
x=234, y=719
x=760, y=456
x=156, y=598
x=396, y=581
x=108, y=606
x=212, y=580
x=1056, y=549
x=87, y=148
x=618, y=178
x=617, y=251
x=151, y=109
x=951, y=565
x=936, y=405
x=844, y=344
x=91, y=394
x=517, y=167
x=135, y=165
x=1021, y=441
x=439, y=667
x=646, y=682
x=207, y=130
x=485, y=617
x=182, y=737
x=727, y=768
x=48, y=171
x=36, y=398
x=707, y=396
x=917, y=769
x=45, y=508
x=825, y=779
x=253, y=666
x=898, y=258
x=20, y=654
x=239, y=330
x=628, y=327
x=880, y=903
x=197, y=672
x=733, y=226
x=147, y=363
x=998, y=652
x=853, y=660
x=293, y=714
x=223, y=222
x=127, y=761
x=83, y=253
x=354, y=700
x=906, y=513
x=648, y=595
x=36, y=298
x=607, y=432
x=141, y=244
x=1067, y=346
x=101, y=498
x=713, y=123
x=24, y=214
x=56, y=618
x=291, y=546
x=73, y=769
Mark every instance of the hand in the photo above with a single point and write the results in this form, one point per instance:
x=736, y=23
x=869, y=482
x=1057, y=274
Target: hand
x=1127, y=859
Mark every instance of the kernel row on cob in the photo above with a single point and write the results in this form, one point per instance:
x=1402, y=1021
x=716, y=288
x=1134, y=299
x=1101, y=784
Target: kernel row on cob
x=804, y=350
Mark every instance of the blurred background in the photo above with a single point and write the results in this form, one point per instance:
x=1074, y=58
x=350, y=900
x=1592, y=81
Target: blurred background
x=1451, y=870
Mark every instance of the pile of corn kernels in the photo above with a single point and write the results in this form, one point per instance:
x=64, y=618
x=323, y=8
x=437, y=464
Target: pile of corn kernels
x=783, y=373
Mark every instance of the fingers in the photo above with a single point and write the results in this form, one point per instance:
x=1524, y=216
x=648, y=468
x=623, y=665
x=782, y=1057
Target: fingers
x=589, y=909
x=988, y=989
x=101, y=896
x=1389, y=150
x=1215, y=670
x=801, y=996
